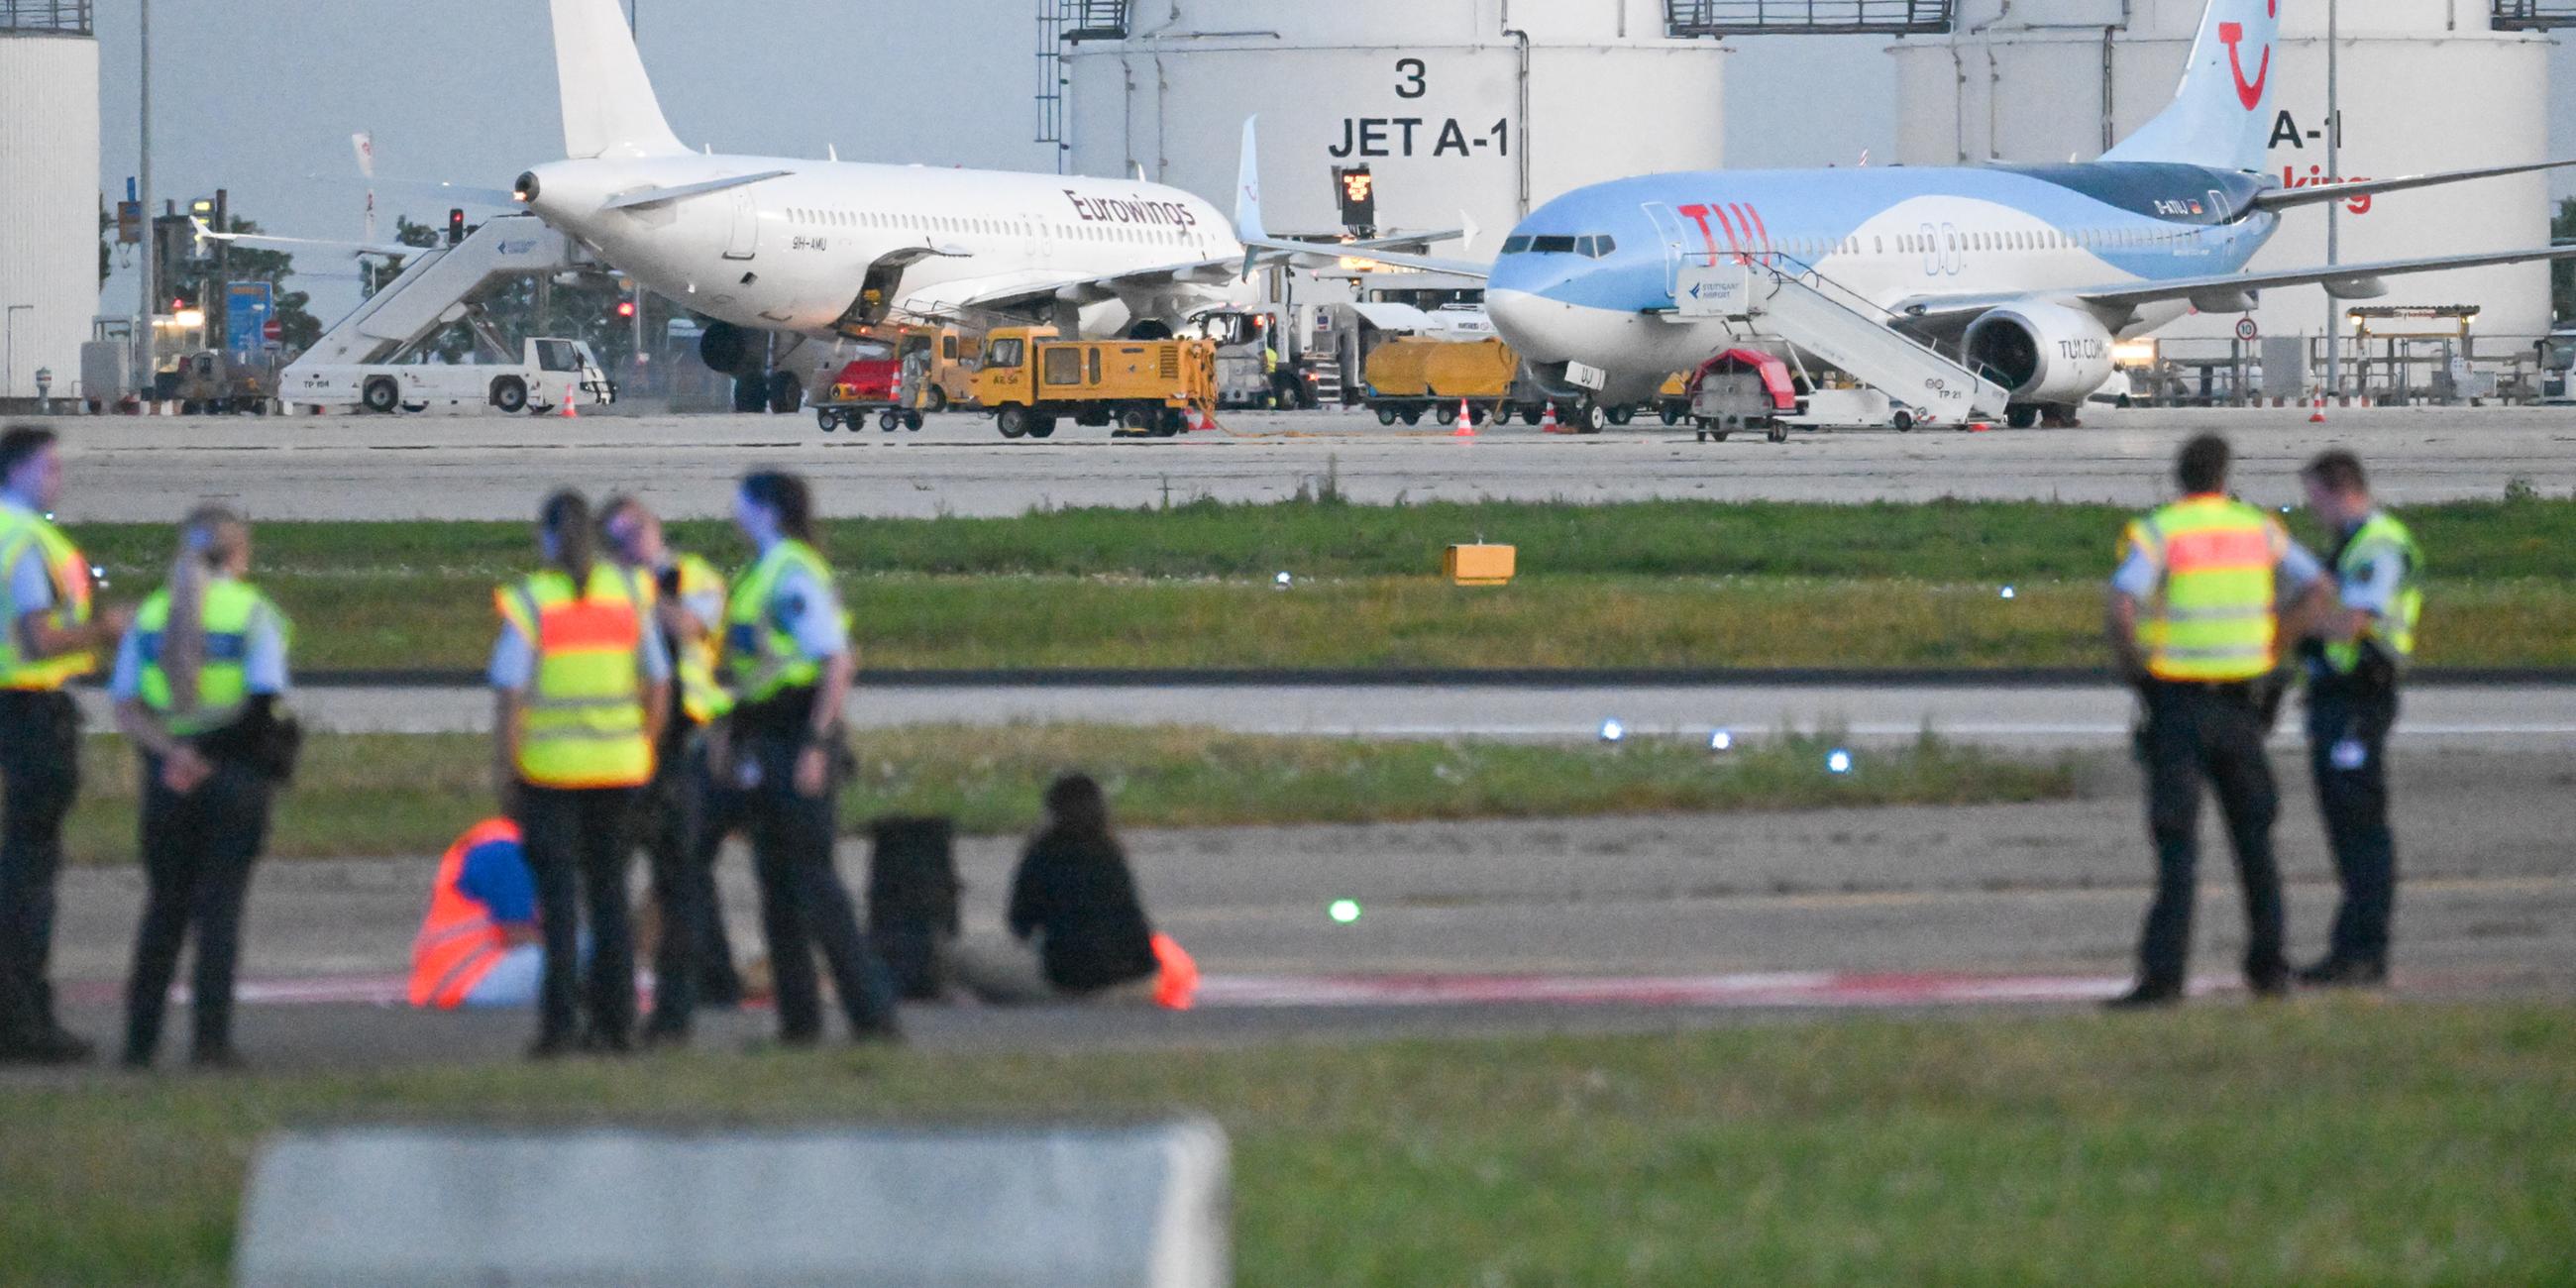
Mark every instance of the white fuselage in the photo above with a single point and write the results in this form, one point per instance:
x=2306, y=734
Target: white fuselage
x=796, y=252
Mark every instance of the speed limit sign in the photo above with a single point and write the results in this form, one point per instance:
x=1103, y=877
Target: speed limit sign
x=2246, y=330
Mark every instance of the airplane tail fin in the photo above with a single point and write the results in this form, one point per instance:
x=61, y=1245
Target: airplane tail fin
x=609, y=108
x=2222, y=115
x=1247, y=187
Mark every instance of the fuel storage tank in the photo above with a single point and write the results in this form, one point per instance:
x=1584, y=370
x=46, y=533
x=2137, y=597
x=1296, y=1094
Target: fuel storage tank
x=48, y=193
x=2425, y=85
x=1490, y=107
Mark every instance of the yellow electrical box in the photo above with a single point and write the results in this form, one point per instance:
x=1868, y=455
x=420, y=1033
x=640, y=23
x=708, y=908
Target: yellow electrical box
x=1480, y=564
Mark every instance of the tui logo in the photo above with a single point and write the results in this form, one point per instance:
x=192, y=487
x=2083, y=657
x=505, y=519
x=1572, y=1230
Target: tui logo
x=2232, y=35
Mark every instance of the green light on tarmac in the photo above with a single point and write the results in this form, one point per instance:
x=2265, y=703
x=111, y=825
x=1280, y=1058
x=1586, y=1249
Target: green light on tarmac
x=1344, y=911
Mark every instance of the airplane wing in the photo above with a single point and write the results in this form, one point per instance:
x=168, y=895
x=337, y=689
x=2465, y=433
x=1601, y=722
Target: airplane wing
x=350, y=248
x=2227, y=292
x=1336, y=252
x=1032, y=286
x=2322, y=193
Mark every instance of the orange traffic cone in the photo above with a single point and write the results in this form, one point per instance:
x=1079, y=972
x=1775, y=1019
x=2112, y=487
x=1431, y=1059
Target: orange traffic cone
x=1547, y=422
x=2319, y=417
x=1201, y=420
x=1466, y=422
x=568, y=413
x=1978, y=427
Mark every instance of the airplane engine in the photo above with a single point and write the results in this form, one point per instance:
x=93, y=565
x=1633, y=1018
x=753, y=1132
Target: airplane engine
x=2046, y=354
x=732, y=350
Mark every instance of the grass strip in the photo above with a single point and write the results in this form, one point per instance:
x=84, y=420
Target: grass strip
x=2315, y=1142
x=1941, y=541
x=1658, y=584
x=363, y=795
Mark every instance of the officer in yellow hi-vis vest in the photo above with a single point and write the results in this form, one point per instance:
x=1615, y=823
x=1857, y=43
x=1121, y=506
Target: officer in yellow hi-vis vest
x=683, y=823
x=790, y=663
x=2195, y=623
x=196, y=685
x=50, y=633
x=2356, y=654
x=582, y=681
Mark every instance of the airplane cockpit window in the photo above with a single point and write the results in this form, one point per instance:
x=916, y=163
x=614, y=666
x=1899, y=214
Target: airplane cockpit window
x=1552, y=245
x=1517, y=245
x=1595, y=247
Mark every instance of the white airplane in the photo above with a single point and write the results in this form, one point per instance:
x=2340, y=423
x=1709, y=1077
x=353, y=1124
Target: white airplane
x=814, y=250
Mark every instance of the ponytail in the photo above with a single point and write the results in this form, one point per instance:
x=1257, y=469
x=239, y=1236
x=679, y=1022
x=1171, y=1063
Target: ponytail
x=789, y=497
x=210, y=539
x=565, y=520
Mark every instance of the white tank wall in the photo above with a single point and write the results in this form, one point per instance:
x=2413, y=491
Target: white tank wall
x=48, y=205
x=2418, y=95
x=1173, y=98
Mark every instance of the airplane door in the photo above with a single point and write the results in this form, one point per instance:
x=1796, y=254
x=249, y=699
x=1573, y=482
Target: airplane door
x=1668, y=226
x=745, y=240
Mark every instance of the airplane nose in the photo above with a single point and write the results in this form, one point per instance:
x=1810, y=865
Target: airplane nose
x=1526, y=321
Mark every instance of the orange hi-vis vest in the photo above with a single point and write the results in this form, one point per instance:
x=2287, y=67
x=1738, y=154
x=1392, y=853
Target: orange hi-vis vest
x=459, y=942
x=2213, y=618
x=584, y=714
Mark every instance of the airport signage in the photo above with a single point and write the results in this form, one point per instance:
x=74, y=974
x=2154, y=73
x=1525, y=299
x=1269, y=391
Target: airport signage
x=249, y=309
x=1705, y=290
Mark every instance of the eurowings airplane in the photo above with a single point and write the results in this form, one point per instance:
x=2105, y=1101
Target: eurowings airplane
x=2026, y=272
x=817, y=249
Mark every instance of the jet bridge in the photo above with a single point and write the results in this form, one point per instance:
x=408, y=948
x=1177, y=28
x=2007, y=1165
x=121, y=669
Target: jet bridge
x=437, y=289
x=1775, y=297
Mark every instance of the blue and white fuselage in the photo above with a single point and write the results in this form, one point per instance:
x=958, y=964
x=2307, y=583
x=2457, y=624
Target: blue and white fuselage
x=1591, y=277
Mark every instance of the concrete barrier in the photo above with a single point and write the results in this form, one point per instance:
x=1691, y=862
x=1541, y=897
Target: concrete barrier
x=1069, y=1207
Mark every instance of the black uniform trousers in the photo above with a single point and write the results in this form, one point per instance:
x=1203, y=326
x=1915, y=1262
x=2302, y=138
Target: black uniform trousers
x=2348, y=722
x=577, y=842
x=803, y=902
x=2212, y=734
x=39, y=777
x=198, y=852
x=685, y=820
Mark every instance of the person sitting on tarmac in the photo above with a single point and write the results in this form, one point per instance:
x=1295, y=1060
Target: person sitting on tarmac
x=479, y=947
x=1078, y=930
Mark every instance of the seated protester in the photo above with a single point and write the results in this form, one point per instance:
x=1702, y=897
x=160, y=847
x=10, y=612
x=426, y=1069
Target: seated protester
x=1080, y=933
x=479, y=945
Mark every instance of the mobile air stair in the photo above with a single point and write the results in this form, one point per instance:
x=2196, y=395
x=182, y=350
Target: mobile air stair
x=437, y=289
x=1774, y=296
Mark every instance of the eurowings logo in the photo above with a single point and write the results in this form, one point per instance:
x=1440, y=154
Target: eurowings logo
x=2232, y=35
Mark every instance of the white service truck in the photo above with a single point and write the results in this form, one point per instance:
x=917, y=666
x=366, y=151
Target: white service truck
x=548, y=374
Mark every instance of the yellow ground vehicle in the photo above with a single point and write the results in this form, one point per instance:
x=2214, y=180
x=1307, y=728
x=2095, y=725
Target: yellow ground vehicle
x=1029, y=380
x=1418, y=376
x=950, y=381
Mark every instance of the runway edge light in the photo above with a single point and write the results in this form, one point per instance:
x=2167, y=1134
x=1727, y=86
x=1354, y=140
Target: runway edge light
x=1613, y=731
x=1344, y=911
x=1722, y=740
x=1838, y=761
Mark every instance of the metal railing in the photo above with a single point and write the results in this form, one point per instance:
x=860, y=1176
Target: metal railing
x=65, y=17
x=1095, y=20
x=1687, y=18
x=2534, y=15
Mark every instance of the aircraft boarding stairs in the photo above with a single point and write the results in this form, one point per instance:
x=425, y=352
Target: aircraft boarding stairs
x=437, y=289
x=1778, y=297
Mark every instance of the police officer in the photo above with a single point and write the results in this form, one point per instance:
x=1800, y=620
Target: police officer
x=50, y=633
x=196, y=683
x=581, y=682
x=2355, y=654
x=790, y=663
x=689, y=611
x=2194, y=623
